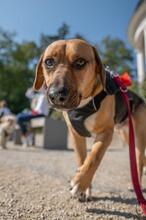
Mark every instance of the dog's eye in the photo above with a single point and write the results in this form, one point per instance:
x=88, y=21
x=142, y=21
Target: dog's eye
x=79, y=63
x=50, y=62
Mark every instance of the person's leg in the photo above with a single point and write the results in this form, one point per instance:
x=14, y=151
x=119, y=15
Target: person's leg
x=23, y=119
x=3, y=138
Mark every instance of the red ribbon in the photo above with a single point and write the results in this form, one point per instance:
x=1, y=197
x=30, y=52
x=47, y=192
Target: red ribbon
x=132, y=154
x=126, y=79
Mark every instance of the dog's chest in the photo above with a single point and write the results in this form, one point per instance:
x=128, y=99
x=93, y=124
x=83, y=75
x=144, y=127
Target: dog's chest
x=96, y=122
x=87, y=121
x=83, y=120
x=90, y=123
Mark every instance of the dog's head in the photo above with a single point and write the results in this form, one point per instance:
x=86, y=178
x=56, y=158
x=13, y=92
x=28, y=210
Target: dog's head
x=72, y=72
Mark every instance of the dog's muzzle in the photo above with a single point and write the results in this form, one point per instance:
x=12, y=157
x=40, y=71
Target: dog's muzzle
x=58, y=96
x=63, y=98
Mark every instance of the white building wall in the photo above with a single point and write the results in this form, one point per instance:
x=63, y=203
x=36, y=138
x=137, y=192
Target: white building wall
x=140, y=44
x=140, y=66
x=145, y=47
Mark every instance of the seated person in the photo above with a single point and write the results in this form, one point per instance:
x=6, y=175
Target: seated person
x=4, y=110
x=39, y=108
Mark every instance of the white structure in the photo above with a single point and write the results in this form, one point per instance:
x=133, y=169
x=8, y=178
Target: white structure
x=137, y=37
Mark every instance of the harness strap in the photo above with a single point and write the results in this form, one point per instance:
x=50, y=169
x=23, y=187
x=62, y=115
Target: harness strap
x=133, y=165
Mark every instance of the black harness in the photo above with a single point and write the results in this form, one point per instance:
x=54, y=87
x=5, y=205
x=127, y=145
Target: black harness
x=77, y=116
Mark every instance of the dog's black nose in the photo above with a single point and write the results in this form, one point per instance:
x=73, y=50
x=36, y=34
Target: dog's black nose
x=58, y=95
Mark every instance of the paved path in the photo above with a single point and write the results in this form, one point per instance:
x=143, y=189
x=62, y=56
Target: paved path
x=34, y=185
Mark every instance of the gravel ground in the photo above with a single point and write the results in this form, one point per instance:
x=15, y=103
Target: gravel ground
x=34, y=185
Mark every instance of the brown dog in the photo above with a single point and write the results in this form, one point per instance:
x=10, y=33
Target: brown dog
x=78, y=84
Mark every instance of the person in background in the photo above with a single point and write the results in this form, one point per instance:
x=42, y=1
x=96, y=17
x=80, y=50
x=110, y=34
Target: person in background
x=4, y=110
x=7, y=123
x=39, y=108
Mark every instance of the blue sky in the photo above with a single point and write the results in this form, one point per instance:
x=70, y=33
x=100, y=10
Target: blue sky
x=94, y=19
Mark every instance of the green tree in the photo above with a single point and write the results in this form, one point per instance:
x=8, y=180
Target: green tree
x=62, y=33
x=116, y=54
x=143, y=88
x=120, y=59
x=16, y=69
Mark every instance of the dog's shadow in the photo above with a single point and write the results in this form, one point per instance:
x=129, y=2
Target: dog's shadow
x=143, y=190
x=123, y=214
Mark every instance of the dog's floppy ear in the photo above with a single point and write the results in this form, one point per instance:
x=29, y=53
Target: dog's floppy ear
x=39, y=78
x=99, y=67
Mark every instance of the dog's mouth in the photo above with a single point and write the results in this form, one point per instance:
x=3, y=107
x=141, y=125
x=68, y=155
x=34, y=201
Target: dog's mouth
x=65, y=103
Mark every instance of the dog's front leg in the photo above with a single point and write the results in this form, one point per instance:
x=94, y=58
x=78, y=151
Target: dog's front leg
x=79, y=145
x=83, y=178
x=79, y=142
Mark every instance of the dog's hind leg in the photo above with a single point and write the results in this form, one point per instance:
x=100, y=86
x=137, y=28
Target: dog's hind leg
x=140, y=133
x=123, y=132
x=145, y=165
x=140, y=149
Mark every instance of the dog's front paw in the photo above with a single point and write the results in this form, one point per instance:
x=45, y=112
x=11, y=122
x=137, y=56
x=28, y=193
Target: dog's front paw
x=79, y=192
x=74, y=190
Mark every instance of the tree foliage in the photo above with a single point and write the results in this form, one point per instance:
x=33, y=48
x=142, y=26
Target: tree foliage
x=62, y=33
x=116, y=54
x=143, y=88
x=16, y=71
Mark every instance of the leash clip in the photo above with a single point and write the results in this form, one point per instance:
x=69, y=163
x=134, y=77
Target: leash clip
x=113, y=75
x=123, y=89
x=94, y=105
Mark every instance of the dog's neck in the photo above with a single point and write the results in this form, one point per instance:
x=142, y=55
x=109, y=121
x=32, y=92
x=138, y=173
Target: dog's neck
x=91, y=97
x=85, y=102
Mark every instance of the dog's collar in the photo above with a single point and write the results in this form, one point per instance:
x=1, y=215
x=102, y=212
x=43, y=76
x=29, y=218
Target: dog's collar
x=94, y=104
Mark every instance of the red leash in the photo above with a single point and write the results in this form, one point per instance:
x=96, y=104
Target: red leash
x=133, y=165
